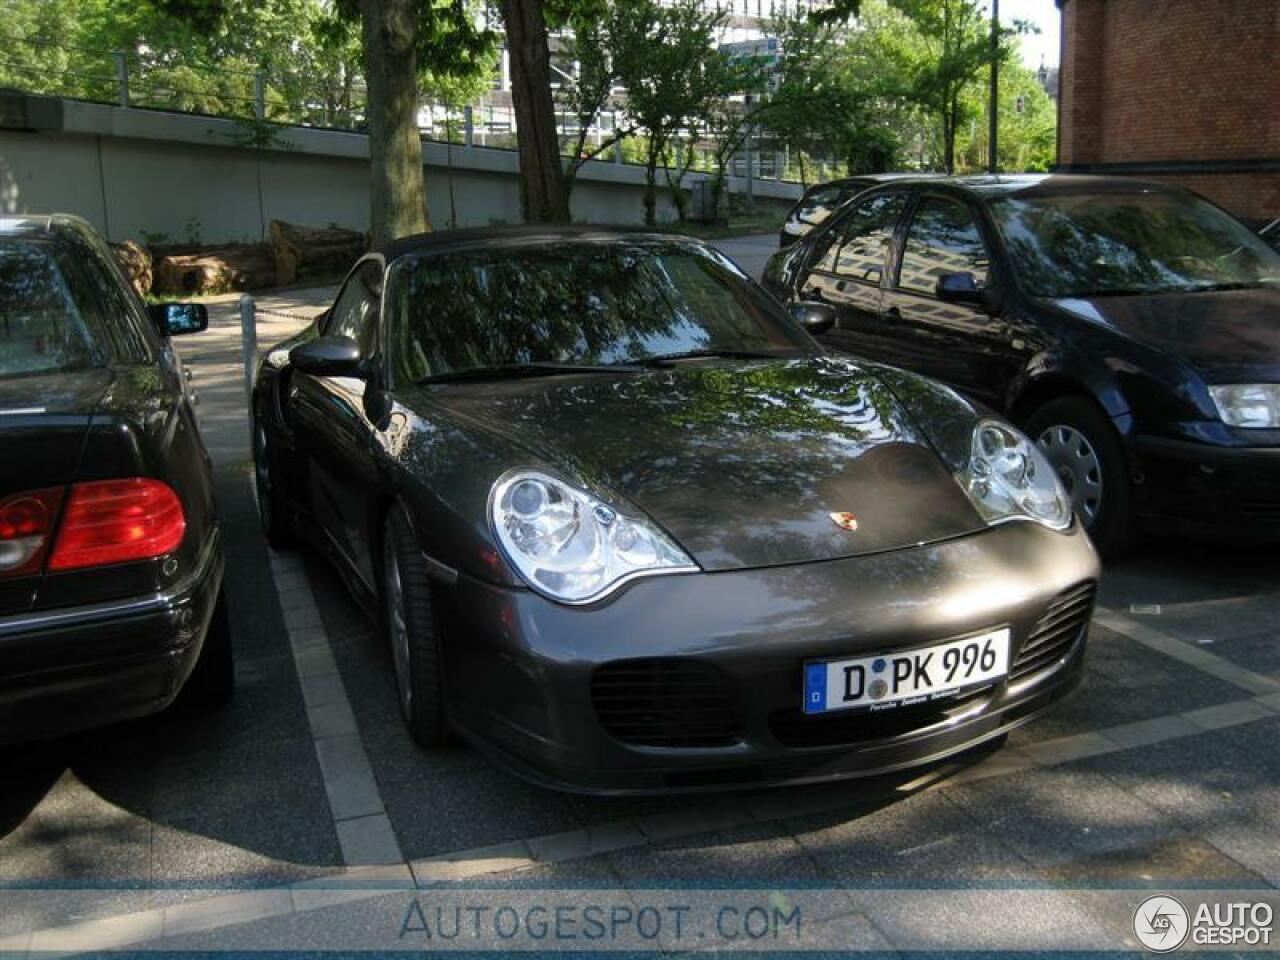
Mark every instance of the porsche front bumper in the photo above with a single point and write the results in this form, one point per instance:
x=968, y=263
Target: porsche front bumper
x=694, y=682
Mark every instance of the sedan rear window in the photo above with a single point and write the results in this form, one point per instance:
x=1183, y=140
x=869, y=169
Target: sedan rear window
x=41, y=328
x=575, y=302
x=819, y=203
x=1110, y=244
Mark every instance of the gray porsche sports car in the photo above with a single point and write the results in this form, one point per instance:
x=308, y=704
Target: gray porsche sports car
x=629, y=528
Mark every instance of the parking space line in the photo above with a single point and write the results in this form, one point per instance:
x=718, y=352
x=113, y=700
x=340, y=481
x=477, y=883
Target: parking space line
x=1181, y=650
x=364, y=830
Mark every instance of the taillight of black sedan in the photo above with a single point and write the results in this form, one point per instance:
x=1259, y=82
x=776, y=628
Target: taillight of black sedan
x=110, y=557
x=628, y=528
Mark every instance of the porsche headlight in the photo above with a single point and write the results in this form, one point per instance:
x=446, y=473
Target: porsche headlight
x=1255, y=405
x=572, y=546
x=1008, y=478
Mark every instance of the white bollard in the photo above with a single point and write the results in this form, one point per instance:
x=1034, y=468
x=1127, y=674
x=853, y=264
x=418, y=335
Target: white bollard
x=249, y=342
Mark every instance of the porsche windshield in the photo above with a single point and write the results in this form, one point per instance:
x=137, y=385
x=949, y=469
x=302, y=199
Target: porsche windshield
x=1109, y=244
x=575, y=302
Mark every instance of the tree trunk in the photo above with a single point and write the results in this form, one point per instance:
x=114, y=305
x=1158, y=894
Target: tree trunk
x=650, y=184
x=397, y=189
x=543, y=197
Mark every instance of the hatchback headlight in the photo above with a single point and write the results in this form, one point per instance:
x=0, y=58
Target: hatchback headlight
x=1254, y=405
x=572, y=546
x=1008, y=478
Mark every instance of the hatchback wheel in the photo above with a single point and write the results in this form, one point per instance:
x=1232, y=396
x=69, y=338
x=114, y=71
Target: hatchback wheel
x=413, y=632
x=1085, y=451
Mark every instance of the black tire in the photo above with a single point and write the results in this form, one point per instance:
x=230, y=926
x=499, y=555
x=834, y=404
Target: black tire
x=273, y=504
x=1085, y=449
x=213, y=680
x=413, y=633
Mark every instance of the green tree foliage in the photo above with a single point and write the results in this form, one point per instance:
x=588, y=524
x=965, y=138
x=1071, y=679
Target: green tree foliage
x=673, y=73
x=942, y=56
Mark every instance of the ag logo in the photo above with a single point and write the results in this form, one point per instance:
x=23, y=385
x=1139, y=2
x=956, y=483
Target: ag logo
x=1161, y=924
x=845, y=521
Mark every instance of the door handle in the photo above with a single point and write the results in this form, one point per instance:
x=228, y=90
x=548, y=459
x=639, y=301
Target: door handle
x=893, y=314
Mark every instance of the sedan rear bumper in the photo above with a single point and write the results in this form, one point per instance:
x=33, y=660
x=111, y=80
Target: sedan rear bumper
x=694, y=682
x=79, y=667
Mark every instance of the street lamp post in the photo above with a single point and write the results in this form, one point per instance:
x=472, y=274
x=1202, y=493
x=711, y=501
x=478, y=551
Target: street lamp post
x=993, y=106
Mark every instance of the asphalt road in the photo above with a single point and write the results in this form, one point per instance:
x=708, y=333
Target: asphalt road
x=1161, y=772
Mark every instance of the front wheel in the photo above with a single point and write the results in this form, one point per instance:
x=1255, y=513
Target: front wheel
x=1085, y=451
x=273, y=507
x=413, y=632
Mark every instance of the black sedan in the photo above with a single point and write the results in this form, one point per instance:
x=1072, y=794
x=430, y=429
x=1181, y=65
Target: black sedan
x=110, y=558
x=628, y=528
x=822, y=199
x=1131, y=328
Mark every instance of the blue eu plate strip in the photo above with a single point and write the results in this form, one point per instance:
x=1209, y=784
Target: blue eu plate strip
x=815, y=688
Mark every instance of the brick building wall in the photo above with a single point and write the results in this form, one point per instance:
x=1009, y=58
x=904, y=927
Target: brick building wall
x=1179, y=90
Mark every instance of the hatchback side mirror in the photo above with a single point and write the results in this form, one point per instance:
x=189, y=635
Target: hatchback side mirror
x=331, y=356
x=175, y=319
x=816, y=318
x=960, y=288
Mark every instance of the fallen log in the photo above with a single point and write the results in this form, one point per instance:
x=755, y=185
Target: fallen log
x=135, y=261
x=247, y=266
x=306, y=253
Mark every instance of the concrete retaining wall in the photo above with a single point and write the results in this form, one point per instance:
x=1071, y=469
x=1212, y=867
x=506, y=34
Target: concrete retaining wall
x=137, y=173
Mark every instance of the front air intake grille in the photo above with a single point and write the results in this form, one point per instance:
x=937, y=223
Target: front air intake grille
x=1057, y=630
x=666, y=702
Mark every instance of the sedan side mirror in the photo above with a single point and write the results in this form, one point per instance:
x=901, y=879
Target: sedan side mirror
x=331, y=356
x=959, y=288
x=816, y=318
x=175, y=319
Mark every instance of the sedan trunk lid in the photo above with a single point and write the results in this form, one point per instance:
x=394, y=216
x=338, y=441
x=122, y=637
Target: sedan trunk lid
x=43, y=423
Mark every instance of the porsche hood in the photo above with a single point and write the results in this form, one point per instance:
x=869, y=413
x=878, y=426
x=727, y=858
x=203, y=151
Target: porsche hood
x=775, y=462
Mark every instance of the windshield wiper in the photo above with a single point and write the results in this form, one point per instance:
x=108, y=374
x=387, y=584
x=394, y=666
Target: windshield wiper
x=515, y=371
x=666, y=359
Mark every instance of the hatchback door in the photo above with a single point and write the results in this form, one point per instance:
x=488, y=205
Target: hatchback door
x=960, y=344
x=847, y=270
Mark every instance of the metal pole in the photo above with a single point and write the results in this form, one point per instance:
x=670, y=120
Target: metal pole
x=260, y=96
x=249, y=342
x=122, y=78
x=993, y=118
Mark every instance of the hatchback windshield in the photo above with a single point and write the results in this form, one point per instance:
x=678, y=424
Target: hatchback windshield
x=41, y=329
x=575, y=303
x=1079, y=245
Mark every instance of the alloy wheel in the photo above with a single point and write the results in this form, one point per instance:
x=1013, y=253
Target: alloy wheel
x=1076, y=462
x=262, y=477
x=397, y=622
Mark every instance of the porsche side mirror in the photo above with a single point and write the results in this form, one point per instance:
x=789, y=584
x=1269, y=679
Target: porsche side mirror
x=331, y=356
x=175, y=319
x=816, y=318
x=959, y=288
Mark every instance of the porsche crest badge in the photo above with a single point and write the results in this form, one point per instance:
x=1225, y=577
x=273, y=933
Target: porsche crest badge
x=845, y=521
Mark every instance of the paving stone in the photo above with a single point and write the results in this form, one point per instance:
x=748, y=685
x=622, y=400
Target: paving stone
x=1055, y=814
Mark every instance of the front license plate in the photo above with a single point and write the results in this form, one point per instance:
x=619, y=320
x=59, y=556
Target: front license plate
x=906, y=677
